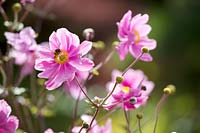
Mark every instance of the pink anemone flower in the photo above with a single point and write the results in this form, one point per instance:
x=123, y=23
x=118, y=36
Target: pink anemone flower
x=62, y=58
x=133, y=35
x=8, y=124
x=131, y=93
x=24, y=49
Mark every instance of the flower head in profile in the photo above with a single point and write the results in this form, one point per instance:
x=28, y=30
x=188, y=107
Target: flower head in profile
x=62, y=58
x=95, y=128
x=27, y=1
x=132, y=92
x=8, y=124
x=133, y=35
x=24, y=48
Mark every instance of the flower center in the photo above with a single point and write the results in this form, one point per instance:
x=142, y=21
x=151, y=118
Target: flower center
x=61, y=56
x=137, y=36
x=126, y=89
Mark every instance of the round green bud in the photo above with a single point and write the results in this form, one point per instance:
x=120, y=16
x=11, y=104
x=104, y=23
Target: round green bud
x=115, y=43
x=119, y=79
x=17, y=7
x=85, y=125
x=95, y=72
x=167, y=90
x=145, y=50
x=170, y=89
x=139, y=115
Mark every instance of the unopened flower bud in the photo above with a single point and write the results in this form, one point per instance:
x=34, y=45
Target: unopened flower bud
x=85, y=125
x=170, y=89
x=95, y=72
x=145, y=50
x=115, y=43
x=88, y=34
x=119, y=79
x=139, y=115
x=98, y=45
x=17, y=7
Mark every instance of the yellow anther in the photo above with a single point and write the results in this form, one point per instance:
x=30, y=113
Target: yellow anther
x=126, y=89
x=137, y=35
x=61, y=56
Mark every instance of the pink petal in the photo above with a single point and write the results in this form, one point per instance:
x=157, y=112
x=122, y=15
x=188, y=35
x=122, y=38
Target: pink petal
x=85, y=47
x=63, y=73
x=74, y=90
x=123, y=25
x=143, y=30
x=122, y=49
x=139, y=20
x=83, y=64
x=54, y=42
x=63, y=36
x=12, y=124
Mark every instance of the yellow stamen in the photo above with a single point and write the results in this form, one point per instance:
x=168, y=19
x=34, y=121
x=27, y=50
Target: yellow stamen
x=136, y=33
x=126, y=89
x=61, y=56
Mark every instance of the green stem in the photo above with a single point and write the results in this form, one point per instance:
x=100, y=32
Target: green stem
x=84, y=92
x=127, y=121
x=158, y=107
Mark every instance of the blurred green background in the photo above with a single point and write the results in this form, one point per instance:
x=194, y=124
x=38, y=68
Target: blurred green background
x=175, y=26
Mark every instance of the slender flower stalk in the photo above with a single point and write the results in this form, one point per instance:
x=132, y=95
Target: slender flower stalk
x=23, y=17
x=3, y=75
x=170, y=89
x=81, y=129
x=84, y=92
x=158, y=107
x=127, y=121
x=133, y=63
x=95, y=115
x=3, y=13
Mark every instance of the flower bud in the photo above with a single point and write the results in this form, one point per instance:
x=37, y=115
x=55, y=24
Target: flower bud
x=95, y=72
x=115, y=43
x=170, y=89
x=119, y=79
x=145, y=50
x=98, y=45
x=17, y=7
x=88, y=34
x=139, y=115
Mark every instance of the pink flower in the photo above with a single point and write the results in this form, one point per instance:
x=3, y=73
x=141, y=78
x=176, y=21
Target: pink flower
x=25, y=1
x=95, y=127
x=8, y=124
x=132, y=92
x=24, y=48
x=49, y=130
x=133, y=35
x=62, y=58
